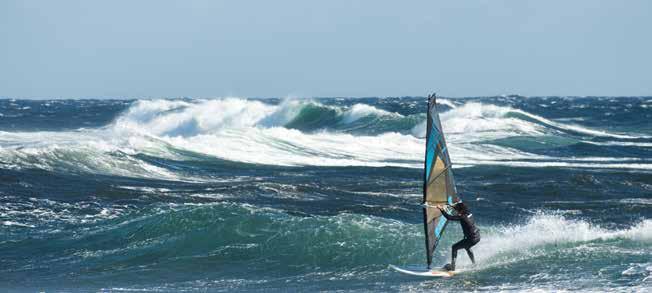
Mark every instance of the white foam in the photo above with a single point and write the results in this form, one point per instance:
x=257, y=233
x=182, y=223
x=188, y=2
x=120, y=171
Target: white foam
x=622, y=143
x=12, y=223
x=359, y=111
x=281, y=146
x=552, y=163
x=283, y=114
x=577, y=128
x=36, y=212
x=446, y=102
x=180, y=118
x=473, y=122
x=249, y=131
x=419, y=130
x=252, y=131
x=542, y=229
x=467, y=127
x=92, y=151
x=475, y=117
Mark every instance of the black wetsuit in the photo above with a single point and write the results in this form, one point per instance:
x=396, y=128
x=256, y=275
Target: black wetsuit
x=471, y=235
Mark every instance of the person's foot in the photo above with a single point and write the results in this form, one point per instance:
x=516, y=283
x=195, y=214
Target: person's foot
x=449, y=267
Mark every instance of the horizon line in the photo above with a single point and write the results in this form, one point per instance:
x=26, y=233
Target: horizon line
x=317, y=97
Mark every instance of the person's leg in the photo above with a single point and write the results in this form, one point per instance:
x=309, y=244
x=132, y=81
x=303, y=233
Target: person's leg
x=471, y=243
x=470, y=253
x=457, y=246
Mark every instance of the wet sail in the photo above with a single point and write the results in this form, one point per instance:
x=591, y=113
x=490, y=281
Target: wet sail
x=438, y=183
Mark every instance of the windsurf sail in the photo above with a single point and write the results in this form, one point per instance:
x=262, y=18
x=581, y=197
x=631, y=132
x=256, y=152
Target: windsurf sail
x=438, y=184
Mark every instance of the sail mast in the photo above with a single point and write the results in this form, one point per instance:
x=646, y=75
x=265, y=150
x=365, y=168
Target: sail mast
x=425, y=181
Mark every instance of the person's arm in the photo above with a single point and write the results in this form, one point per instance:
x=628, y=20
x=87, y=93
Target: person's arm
x=449, y=217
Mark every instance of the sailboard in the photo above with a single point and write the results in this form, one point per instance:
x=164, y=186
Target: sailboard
x=438, y=189
x=422, y=271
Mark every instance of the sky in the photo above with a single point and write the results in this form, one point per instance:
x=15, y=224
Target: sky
x=335, y=48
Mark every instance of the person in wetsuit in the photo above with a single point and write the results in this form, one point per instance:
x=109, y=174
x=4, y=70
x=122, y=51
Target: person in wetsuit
x=471, y=232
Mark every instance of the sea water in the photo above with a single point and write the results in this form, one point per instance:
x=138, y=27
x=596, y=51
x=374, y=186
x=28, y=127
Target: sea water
x=235, y=194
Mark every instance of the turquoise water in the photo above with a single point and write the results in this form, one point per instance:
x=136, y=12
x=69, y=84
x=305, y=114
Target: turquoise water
x=320, y=195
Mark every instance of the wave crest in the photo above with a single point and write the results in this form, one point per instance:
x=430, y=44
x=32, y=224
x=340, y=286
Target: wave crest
x=302, y=132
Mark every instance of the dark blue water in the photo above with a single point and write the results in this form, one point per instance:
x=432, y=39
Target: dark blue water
x=306, y=195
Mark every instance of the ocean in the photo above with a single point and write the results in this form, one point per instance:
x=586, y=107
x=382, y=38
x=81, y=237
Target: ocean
x=305, y=195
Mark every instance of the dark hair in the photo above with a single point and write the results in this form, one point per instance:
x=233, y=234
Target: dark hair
x=461, y=208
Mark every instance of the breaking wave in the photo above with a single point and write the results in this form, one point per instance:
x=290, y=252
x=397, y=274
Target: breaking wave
x=305, y=132
x=545, y=230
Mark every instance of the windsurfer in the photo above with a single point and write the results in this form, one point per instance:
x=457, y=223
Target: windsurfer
x=471, y=232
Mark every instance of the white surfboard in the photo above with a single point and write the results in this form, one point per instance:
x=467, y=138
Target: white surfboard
x=422, y=271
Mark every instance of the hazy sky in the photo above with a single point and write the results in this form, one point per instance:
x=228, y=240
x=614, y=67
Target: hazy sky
x=73, y=49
